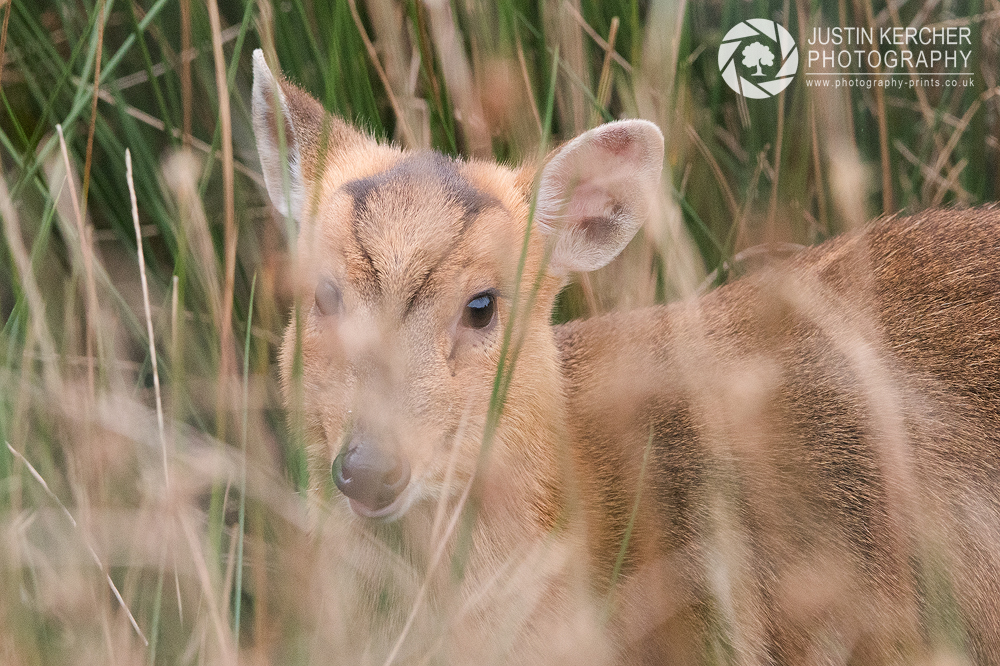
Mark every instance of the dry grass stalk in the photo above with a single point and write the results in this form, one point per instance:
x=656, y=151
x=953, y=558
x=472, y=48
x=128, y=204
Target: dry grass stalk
x=926, y=109
x=3, y=36
x=945, y=154
x=180, y=173
x=93, y=553
x=817, y=166
x=227, y=652
x=528, y=89
x=389, y=21
x=883, y=127
x=443, y=541
x=604, y=82
x=409, y=139
x=101, y=18
x=944, y=184
x=458, y=78
x=87, y=252
x=572, y=103
x=149, y=318
x=187, y=93
x=189, y=141
x=36, y=303
x=227, y=353
x=606, y=46
x=720, y=178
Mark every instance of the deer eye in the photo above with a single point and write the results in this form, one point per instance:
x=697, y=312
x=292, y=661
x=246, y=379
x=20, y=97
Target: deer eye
x=480, y=311
x=328, y=298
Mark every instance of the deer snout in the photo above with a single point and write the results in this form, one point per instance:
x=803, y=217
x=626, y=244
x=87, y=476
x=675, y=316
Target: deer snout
x=372, y=477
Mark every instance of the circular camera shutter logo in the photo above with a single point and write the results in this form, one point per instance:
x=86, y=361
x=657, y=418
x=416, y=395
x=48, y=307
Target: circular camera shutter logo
x=766, y=55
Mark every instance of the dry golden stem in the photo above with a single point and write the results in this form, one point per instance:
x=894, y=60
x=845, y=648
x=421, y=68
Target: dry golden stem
x=174, y=323
x=945, y=184
x=818, y=169
x=3, y=36
x=925, y=107
x=87, y=252
x=93, y=110
x=772, y=209
x=842, y=14
x=398, y=61
x=186, y=91
x=956, y=135
x=606, y=46
x=227, y=354
x=734, y=208
x=527, y=86
x=36, y=305
x=449, y=473
x=149, y=315
x=205, y=579
x=191, y=141
x=888, y=205
x=90, y=548
x=950, y=181
x=408, y=135
x=604, y=83
x=458, y=77
x=572, y=105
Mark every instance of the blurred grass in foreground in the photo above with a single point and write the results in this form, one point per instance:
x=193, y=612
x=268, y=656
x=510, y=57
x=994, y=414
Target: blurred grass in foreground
x=195, y=515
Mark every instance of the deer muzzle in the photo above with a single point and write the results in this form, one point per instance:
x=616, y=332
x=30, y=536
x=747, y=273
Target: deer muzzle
x=371, y=476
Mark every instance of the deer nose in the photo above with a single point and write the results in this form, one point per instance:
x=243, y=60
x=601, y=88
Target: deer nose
x=371, y=476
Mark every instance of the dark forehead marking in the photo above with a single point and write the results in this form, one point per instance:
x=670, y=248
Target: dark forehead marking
x=428, y=167
x=424, y=282
x=425, y=171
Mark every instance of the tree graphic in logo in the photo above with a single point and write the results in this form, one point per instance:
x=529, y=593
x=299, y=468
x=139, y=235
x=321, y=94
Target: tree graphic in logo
x=762, y=43
x=755, y=55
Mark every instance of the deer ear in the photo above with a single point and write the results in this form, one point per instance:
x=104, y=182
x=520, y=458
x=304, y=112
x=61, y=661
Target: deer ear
x=282, y=113
x=596, y=191
x=274, y=124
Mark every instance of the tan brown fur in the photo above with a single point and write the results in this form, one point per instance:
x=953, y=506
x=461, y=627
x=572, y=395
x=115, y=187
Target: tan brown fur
x=848, y=403
x=820, y=440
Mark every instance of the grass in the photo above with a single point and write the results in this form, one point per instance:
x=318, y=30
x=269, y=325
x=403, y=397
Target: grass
x=200, y=522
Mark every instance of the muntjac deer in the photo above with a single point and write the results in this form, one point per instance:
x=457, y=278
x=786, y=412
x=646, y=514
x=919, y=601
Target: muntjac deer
x=800, y=467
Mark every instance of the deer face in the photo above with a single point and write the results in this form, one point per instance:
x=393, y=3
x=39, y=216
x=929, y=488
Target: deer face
x=410, y=272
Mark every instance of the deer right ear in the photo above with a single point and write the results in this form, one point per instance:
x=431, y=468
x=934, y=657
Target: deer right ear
x=291, y=129
x=595, y=193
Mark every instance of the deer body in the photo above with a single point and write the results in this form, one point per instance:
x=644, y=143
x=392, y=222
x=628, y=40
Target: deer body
x=826, y=433
x=799, y=465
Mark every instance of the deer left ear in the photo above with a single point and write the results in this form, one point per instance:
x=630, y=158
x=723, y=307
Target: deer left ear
x=290, y=127
x=596, y=191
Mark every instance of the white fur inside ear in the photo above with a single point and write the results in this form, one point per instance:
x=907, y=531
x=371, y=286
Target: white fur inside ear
x=283, y=177
x=596, y=191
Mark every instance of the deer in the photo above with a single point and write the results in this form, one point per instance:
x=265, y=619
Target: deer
x=800, y=466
